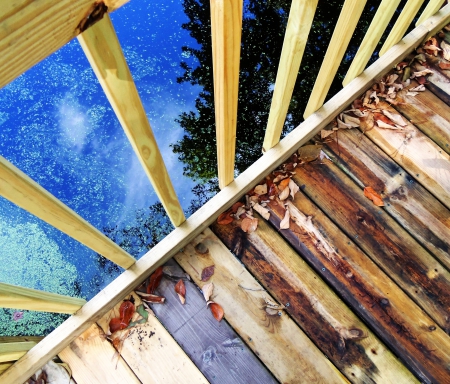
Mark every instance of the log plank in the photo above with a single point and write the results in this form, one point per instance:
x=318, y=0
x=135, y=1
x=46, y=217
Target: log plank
x=280, y=344
x=313, y=305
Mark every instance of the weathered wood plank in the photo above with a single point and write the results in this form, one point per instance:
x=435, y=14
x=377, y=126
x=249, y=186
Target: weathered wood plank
x=380, y=236
x=29, y=195
x=215, y=348
x=343, y=32
x=15, y=350
x=402, y=24
x=431, y=8
x=32, y=30
x=403, y=326
x=428, y=113
x=424, y=160
x=299, y=23
x=92, y=359
x=226, y=26
x=409, y=203
x=115, y=78
x=313, y=305
x=12, y=296
x=373, y=35
x=280, y=344
x=152, y=354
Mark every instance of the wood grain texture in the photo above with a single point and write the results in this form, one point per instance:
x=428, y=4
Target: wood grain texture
x=414, y=208
x=102, y=48
x=299, y=23
x=15, y=350
x=401, y=25
x=373, y=35
x=343, y=32
x=27, y=194
x=92, y=359
x=393, y=249
x=152, y=354
x=280, y=344
x=431, y=8
x=226, y=26
x=215, y=348
x=402, y=325
x=32, y=30
x=12, y=296
x=423, y=159
x=313, y=305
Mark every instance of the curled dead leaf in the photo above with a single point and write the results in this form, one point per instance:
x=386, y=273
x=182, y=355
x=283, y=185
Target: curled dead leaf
x=370, y=193
x=261, y=189
x=151, y=298
x=207, y=272
x=264, y=212
x=293, y=187
x=225, y=218
x=249, y=224
x=284, y=224
x=395, y=117
x=207, y=291
x=180, y=289
x=155, y=279
x=216, y=310
x=284, y=194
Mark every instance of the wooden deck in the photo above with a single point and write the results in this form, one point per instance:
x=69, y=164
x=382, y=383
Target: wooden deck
x=349, y=292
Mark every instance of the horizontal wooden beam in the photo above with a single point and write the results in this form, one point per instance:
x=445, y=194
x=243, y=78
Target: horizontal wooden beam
x=32, y=30
x=226, y=26
x=20, y=189
x=301, y=16
x=102, y=48
x=14, y=351
x=12, y=296
x=194, y=225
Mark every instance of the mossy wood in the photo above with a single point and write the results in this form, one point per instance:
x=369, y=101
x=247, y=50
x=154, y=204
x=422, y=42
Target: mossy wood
x=15, y=350
x=414, y=208
x=32, y=30
x=400, y=323
x=301, y=16
x=328, y=322
x=283, y=347
x=102, y=48
x=226, y=27
x=27, y=194
x=34, y=300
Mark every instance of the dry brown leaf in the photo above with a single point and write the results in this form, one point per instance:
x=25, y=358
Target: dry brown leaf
x=207, y=272
x=284, y=194
x=370, y=193
x=351, y=120
x=216, y=310
x=239, y=212
x=374, y=96
x=261, y=189
x=249, y=225
x=225, y=218
x=309, y=153
x=207, y=291
x=279, y=178
x=284, y=224
x=236, y=206
x=293, y=187
x=264, y=212
x=367, y=123
x=391, y=79
x=151, y=298
x=424, y=72
x=284, y=183
x=419, y=88
x=444, y=65
x=382, y=124
x=154, y=280
x=395, y=118
x=324, y=133
x=180, y=289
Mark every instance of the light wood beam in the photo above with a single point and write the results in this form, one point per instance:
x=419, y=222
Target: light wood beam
x=14, y=351
x=12, y=296
x=20, y=189
x=301, y=16
x=181, y=236
x=103, y=50
x=401, y=25
x=349, y=17
x=373, y=35
x=226, y=26
x=32, y=30
x=432, y=7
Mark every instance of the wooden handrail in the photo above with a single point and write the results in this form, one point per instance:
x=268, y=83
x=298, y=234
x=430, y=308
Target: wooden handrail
x=102, y=48
x=226, y=26
x=301, y=16
x=12, y=296
x=20, y=189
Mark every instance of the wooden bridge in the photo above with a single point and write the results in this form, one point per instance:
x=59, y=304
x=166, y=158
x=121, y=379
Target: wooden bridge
x=345, y=277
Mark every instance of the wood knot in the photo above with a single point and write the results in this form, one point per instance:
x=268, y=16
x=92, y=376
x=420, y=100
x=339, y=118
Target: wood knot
x=95, y=13
x=384, y=302
x=201, y=248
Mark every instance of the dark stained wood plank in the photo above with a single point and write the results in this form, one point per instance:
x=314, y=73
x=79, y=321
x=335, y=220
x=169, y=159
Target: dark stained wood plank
x=424, y=217
x=215, y=348
x=313, y=305
x=380, y=236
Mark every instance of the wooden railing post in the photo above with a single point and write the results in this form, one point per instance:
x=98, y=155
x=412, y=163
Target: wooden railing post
x=102, y=48
x=299, y=24
x=226, y=25
x=431, y=8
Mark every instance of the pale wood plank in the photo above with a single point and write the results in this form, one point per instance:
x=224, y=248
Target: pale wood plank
x=5, y=366
x=20, y=189
x=402, y=24
x=280, y=344
x=299, y=23
x=431, y=8
x=152, y=354
x=12, y=296
x=182, y=235
x=15, y=350
x=32, y=30
x=92, y=359
x=226, y=26
x=373, y=35
x=115, y=78
x=343, y=32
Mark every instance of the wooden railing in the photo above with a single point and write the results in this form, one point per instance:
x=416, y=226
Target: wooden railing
x=31, y=31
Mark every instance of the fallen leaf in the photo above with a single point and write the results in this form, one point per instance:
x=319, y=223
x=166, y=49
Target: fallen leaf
x=225, y=218
x=216, y=310
x=443, y=65
x=382, y=124
x=445, y=50
x=284, y=194
x=261, y=189
x=236, y=206
x=422, y=73
x=391, y=79
x=239, y=212
x=155, y=279
x=249, y=225
x=374, y=96
x=207, y=272
x=207, y=291
x=280, y=177
x=370, y=193
x=151, y=298
x=395, y=117
x=180, y=289
x=324, y=133
x=421, y=58
x=264, y=212
x=367, y=123
x=293, y=187
x=309, y=153
x=419, y=88
x=284, y=183
x=284, y=224
x=350, y=120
